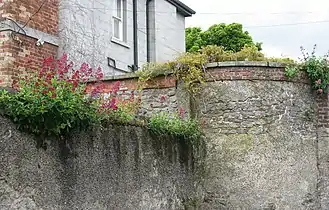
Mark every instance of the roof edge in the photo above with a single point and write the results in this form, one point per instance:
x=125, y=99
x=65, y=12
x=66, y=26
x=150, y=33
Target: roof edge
x=182, y=8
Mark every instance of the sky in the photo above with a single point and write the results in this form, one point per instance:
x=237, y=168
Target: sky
x=282, y=25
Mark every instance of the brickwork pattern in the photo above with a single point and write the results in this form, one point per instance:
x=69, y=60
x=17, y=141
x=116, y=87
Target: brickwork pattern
x=45, y=20
x=251, y=73
x=19, y=53
x=20, y=56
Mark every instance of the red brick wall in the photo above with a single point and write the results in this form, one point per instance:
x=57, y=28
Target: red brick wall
x=250, y=73
x=46, y=19
x=19, y=54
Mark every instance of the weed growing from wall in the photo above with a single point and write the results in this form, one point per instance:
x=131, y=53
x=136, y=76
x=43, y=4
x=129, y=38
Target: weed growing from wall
x=316, y=67
x=186, y=130
x=190, y=67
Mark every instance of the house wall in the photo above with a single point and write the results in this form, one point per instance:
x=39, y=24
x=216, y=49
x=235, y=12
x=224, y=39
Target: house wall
x=86, y=33
x=19, y=53
x=169, y=31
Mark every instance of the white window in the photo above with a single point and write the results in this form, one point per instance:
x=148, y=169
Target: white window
x=119, y=20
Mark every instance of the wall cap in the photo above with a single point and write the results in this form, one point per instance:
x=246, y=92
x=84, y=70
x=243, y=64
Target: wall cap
x=209, y=65
x=245, y=64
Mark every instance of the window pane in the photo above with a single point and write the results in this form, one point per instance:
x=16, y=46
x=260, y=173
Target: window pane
x=119, y=8
x=116, y=28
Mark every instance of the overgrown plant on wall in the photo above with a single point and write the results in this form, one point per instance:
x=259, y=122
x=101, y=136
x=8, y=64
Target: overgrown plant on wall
x=59, y=99
x=316, y=67
x=55, y=100
x=190, y=67
x=175, y=125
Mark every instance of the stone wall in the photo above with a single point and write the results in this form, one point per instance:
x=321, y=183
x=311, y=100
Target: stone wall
x=115, y=168
x=266, y=139
x=266, y=136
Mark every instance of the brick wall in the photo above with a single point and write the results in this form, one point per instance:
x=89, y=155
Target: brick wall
x=44, y=13
x=19, y=53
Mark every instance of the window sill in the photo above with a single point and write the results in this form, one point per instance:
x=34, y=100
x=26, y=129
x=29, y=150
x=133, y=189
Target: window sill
x=119, y=42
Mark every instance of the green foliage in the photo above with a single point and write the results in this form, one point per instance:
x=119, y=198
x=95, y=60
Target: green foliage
x=194, y=39
x=40, y=111
x=174, y=125
x=316, y=67
x=56, y=100
x=151, y=70
x=291, y=71
x=188, y=67
x=231, y=37
x=248, y=53
x=216, y=53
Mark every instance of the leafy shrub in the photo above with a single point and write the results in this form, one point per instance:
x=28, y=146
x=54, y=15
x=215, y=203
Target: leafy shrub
x=317, y=69
x=52, y=101
x=56, y=99
x=175, y=125
x=248, y=53
x=151, y=70
x=188, y=67
x=216, y=53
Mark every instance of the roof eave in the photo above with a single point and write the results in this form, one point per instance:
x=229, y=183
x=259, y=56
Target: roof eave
x=182, y=8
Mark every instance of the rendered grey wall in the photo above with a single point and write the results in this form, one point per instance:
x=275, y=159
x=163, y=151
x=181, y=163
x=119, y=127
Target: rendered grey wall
x=169, y=31
x=116, y=168
x=261, y=144
x=86, y=33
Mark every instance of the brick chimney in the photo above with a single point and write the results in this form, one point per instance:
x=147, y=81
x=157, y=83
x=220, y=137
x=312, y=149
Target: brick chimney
x=28, y=34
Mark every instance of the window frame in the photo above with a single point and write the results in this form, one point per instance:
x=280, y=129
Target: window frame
x=119, y=17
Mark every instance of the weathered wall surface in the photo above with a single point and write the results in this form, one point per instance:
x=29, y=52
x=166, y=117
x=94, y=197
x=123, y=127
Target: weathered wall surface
x=163, y=94
x=261, y=140
x=261, y=144
x=266, y=138
x=117, y=168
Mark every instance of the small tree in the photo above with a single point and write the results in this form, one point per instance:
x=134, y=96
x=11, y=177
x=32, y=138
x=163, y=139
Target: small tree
x=231, y=37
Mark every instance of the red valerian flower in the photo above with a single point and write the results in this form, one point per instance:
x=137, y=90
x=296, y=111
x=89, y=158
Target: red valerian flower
x=99, y=73
x=320, y=91
x=162, y=99
x=115, y=88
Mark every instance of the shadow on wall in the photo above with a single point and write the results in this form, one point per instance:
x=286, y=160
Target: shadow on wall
x=120, y=167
